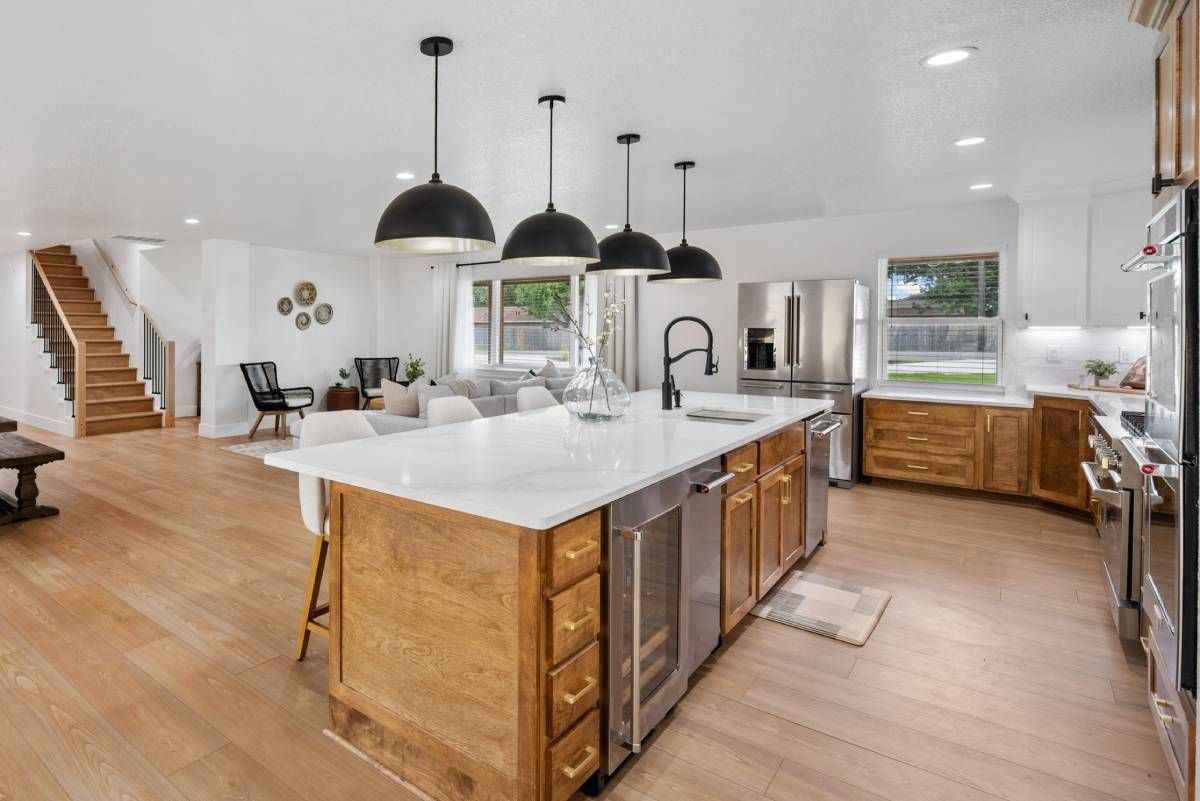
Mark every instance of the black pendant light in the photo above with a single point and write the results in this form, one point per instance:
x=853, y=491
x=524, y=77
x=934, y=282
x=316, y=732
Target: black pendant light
x=435, y=217
x=552, y=238
x=689, y=264
x=627, y=252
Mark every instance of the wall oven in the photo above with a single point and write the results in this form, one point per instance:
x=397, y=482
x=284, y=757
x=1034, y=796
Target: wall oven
x=662, y=561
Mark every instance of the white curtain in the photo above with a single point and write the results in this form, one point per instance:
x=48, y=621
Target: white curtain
x=463, y=341
x=621, y=352
x=444, y=301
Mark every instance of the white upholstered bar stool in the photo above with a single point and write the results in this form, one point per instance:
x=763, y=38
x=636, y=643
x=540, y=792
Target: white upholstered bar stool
x=323, y=428
x=530, y=398
x=456, y=409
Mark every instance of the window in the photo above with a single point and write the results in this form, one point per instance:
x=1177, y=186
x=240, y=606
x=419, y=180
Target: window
x=941, y=320
x=515, y=322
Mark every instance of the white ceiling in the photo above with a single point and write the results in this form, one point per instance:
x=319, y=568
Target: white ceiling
x=283, y=122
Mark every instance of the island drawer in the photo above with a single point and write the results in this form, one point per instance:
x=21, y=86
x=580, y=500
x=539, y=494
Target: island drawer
x=936, y=414
x=781, y=446
x=574, y=617
x=955, y=471
x=573, y=758
x=573, y=690
x=574, y=551
x=920, y=438
x=743, y=463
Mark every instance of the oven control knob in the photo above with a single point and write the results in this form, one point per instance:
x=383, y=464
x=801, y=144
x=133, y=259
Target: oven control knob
x=1093, y=441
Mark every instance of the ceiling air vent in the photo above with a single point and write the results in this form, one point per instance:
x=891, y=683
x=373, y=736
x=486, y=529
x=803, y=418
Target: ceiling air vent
x=145, y=240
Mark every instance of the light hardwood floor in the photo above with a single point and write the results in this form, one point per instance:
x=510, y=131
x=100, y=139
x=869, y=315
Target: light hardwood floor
x=146, y=633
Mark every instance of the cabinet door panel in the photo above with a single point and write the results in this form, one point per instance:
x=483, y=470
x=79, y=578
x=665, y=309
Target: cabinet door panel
x=1186, y=110
x=1052, y=265
x=738, y=580
x=1006, y=450
x=1166, y=99
x=1059, y=445
x=793, y=513
x=771, y=494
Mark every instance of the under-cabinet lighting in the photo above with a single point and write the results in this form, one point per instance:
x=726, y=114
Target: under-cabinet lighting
x=1054, y=327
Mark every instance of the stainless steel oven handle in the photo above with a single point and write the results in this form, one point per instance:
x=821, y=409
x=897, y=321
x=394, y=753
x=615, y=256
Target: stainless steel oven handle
x=824, y=428
x=1111, y=497
x=718, y=480
x=634, y=535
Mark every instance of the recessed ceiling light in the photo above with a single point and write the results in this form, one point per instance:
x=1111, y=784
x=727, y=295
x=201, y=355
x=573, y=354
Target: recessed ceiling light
x=970, y=140
x=192, y=221
x=24, y=233
x=944, y=58
x=405, y=176
x=612, y=227
x=978, y=187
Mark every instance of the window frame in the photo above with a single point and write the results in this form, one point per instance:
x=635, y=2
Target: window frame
x=884, y=321
x=496, y=318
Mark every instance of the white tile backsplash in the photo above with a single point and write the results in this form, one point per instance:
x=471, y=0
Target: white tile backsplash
x=1026, y=353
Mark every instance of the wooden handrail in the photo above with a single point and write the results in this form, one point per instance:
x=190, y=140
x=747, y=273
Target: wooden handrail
x=112, y=268
x=80, y=350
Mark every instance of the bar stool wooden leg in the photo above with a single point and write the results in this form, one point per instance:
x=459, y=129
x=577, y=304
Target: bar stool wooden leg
x=254, y=427
x=312, y=609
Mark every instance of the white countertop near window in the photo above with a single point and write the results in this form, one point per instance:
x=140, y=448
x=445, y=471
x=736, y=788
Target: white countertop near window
x=541, y=468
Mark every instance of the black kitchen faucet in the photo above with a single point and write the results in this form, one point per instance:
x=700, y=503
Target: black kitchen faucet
x=669, y=392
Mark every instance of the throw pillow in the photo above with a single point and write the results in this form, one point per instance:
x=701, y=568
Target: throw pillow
x=399, y=399
x=511, y=387
x=445, y=379
x=462, y=386
x=427, y=393
x=549, y=370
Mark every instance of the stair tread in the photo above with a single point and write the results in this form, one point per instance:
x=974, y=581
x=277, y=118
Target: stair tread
x=123, y=416
x=103, y=369
x=122, y=399
x=118, y=384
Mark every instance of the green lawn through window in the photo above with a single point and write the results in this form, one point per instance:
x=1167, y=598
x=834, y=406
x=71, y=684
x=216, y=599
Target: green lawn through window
x=945, y=378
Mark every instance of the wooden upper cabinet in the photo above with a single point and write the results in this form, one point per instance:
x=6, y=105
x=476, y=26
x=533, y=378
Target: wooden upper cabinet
x=1188, y=73
x=1005, y=451
x=1166, y=108
x=1059, y=445
x=739, y=582
x=772, y=508
x=793, y=512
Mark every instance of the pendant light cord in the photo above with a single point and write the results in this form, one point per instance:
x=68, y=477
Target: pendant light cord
x=550, y=201
x=684, y=242
x=627, y=151
x=437, y=179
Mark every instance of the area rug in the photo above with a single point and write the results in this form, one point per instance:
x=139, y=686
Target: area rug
x=830, y=607
x=262, y=447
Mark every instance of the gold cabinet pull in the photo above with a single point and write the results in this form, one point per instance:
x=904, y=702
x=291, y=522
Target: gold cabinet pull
x=1145, y=644
x=573, y=698
x=919, y=439
x=571, y=771
x=919, y=414
x=738, y=500
x=573, y=625
x=578, y=552
x=916, y=467
x=787, y=482
x=744, y=467
x=989, y=423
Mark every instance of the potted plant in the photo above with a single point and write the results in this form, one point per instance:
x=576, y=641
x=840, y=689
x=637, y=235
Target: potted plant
x=414, y=368
x=1099, y=370
x=343, y=374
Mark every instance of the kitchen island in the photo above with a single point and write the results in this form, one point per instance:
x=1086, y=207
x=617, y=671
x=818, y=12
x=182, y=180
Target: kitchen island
x=465, y=590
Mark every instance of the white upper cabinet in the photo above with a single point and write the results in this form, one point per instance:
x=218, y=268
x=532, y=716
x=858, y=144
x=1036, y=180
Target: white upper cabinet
x=1052, y=262
x=1070, y=248
x=1118, y=231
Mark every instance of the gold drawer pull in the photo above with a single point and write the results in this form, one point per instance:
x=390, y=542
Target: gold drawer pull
x=1168, y=720
x=1163, y=702
x=738, y=500
x=578, y=552
x=919, y=439
x=919, y=414
x=1145, y=644
x=787, y=482
x=916, y=467
x=744, y=467
x=574, y=625
x=573, y=698
x=571, y=771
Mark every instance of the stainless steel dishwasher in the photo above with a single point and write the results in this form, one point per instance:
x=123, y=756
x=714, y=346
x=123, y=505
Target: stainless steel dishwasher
x=662, y=564
x=816, y=479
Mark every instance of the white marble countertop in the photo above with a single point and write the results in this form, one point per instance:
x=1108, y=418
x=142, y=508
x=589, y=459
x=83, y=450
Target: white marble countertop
x=541, y=468
x=1108, y=404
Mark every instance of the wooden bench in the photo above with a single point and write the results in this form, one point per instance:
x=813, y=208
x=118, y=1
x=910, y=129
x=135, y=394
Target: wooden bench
x=25, y=456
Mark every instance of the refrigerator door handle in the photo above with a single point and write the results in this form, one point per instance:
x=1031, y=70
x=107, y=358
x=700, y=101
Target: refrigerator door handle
x=788, y=331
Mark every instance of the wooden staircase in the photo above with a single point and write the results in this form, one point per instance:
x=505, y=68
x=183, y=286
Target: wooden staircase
x=114, y=398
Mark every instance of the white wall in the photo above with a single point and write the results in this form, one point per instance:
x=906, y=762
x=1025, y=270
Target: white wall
x=30, y=392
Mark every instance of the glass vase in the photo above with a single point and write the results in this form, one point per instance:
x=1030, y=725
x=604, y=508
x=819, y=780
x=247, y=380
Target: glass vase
x=596, y=393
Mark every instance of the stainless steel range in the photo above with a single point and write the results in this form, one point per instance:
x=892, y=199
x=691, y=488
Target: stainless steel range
x=1116, y=483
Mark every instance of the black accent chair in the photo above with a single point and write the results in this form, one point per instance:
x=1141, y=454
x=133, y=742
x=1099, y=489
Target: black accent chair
x=371, y=373
x=263, y=383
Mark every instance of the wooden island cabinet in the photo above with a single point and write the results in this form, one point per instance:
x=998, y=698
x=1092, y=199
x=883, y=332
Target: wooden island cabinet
x=1059, y=445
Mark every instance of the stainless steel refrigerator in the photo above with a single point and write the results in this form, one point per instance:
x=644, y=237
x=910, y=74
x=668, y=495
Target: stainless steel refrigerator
x=810, y=339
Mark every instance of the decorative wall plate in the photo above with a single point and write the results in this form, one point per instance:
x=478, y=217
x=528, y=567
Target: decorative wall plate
x=284, y=306
x=303, y=321
x=323, y=313
x=306, y=293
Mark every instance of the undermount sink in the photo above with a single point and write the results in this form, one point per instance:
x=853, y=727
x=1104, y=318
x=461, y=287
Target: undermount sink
x=716, y=414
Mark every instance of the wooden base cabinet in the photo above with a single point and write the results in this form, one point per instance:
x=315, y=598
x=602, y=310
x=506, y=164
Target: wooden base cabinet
x=1005, y=451
x=1059, y=445
x=739, y=579
x=772, y=507
x=793, y=512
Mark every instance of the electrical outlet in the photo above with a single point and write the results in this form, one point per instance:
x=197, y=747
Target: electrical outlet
x=1124, y=354
x=1053, y=354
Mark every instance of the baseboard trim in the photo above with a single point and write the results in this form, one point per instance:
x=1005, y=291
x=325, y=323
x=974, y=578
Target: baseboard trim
x=64, y=428
x=210, y=431
x=187, y=411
